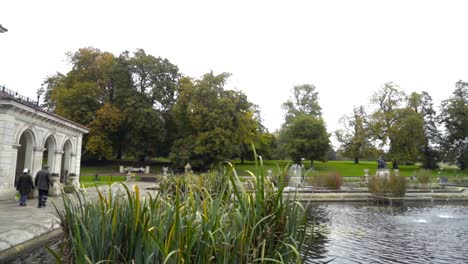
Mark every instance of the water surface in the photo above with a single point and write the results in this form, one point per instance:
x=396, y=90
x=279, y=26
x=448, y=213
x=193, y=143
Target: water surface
x=352, y=233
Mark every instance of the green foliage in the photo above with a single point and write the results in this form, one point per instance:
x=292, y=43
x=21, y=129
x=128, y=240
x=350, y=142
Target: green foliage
x=354, y=137
x=106, y=123
x=306, y=137
x=423, y=177
x=208, y=118
x=391, y=186
x=194, y=219
x=124, y=100
x=454, y=116
x=303, y=134
x=330, y=180
x=303, y=102
x=407, y=136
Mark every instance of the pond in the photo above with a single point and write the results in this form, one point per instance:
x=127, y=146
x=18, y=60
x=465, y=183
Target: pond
x=352, y=233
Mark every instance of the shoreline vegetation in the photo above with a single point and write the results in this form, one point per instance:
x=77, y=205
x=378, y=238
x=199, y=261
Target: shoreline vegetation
x=203, y=218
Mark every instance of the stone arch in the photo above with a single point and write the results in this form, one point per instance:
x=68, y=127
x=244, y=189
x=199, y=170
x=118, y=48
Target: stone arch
x=64, y=142
x=25, y=153
x=50, y=148
x=24, y=128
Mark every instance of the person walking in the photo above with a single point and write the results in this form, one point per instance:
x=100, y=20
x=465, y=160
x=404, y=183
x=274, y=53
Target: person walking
x=43, y=183
x=24, y=186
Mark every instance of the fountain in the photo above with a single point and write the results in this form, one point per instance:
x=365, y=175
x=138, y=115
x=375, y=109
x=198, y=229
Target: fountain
x=296, y=175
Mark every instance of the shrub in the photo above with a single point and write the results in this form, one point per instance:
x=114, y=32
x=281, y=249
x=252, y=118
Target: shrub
x=423, y=177
x=331, y=180
x=393, y=185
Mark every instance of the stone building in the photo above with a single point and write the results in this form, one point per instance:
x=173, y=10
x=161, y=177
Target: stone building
x=31, y=137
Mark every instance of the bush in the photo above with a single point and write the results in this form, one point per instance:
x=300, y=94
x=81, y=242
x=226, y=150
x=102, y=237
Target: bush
x=331, y=180
x=423, y=177
x=393, y=185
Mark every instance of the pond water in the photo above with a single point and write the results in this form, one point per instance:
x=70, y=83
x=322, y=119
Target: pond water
x=351, y=233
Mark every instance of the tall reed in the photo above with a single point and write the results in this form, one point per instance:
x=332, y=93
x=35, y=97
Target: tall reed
x=207, y=218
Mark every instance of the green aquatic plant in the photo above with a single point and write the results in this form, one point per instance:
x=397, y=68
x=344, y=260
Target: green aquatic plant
x=208, y=218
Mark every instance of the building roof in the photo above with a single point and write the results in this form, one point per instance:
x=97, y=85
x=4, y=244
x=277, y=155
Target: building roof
x=6, y=94
x=2, y=29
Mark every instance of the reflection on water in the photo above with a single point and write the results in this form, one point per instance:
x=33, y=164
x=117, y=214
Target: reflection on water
x=350, y=233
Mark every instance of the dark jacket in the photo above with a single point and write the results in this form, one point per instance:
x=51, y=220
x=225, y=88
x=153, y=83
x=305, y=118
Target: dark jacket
x=24, y=184
x=42, y=180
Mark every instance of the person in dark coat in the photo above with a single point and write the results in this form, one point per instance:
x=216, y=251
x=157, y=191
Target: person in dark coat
x=43, y=183
x=24, y=186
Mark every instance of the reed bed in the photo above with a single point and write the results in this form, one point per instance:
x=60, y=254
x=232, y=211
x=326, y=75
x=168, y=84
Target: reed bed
x=209, y=218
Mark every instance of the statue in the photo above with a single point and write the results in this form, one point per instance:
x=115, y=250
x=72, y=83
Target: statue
x=381, y=164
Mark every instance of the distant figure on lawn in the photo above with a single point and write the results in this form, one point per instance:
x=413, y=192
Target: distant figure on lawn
x=43, y=183
x=24, y=186
x=381, y=164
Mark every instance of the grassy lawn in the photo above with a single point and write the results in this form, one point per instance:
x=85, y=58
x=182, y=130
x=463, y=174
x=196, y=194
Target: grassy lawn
x=346, y=168
x=90, y=181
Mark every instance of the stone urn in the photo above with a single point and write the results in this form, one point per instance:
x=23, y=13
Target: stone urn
x=55, y=189
x=188, y=168
x=72, y=183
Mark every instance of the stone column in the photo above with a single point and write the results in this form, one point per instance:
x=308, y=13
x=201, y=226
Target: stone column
x=57, y=163
x=38, y=153
x=73, y=163
x=8, y=155
x=78, y=157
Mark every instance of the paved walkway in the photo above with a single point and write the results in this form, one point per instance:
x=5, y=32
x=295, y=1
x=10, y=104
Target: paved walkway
x=27, y=227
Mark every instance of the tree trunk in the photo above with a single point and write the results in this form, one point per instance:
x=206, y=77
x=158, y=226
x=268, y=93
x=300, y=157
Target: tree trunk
x=311, y=163
x=119, y=152
x=356, y=160
x=395, y=165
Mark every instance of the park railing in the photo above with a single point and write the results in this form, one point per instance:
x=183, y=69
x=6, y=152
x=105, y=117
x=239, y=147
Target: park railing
x=15, y=95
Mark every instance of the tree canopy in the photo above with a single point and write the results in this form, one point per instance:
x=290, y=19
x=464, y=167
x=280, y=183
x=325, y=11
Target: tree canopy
x=454, y=117
x=213, y=124
x=124, y=100
x=303, y=134
x=355, y=136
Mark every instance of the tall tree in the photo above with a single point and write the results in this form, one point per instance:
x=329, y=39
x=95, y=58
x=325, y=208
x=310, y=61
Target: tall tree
x=156, y=82
x=306, y=137
x=354, y=137
x=407, y=136
x=303, y=134
x=212, y=122
x=303, y=101
x=454, y=116
x=422, y=104
x=142, y=89
x=387, y=101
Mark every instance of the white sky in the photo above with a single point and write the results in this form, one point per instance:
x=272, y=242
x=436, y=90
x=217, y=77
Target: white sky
x=347, y=49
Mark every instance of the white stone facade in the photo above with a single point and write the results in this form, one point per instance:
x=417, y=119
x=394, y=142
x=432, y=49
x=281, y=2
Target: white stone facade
x=29, y=136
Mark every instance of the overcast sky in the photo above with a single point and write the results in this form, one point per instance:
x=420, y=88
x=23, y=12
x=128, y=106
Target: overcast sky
x=347, y=49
